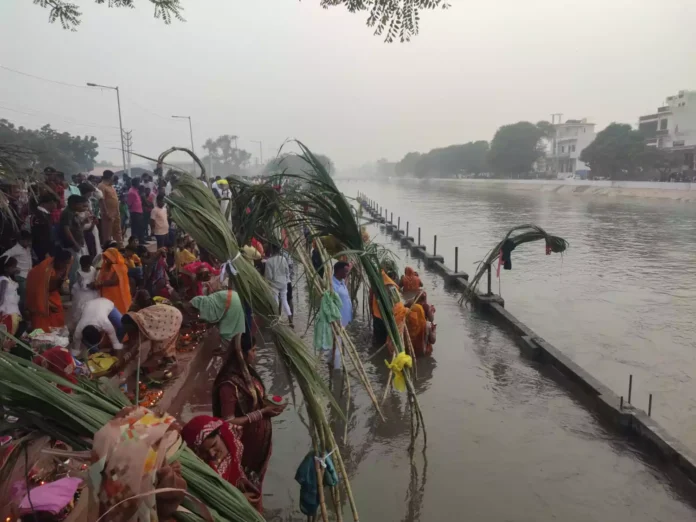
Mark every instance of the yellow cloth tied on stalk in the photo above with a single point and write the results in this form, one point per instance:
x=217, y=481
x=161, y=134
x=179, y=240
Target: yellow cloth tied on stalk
x=397, y=367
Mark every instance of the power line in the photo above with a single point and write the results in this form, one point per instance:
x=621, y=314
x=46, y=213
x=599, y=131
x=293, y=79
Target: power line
x=37, y=113
x=44, y=79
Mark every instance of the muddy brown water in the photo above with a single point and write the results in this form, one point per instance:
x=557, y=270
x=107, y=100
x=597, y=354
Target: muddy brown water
x=506, y=441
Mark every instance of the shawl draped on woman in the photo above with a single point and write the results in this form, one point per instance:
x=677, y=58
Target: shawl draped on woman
x=45, y=307
x=203, y=426
x=410, y=281
x=159, y=324
x=120, y=295
x=416, y=324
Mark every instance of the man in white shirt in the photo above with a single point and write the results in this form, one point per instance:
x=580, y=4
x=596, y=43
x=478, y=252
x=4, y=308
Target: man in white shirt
x=99, y=316
x=277, y=273
x=22, y=253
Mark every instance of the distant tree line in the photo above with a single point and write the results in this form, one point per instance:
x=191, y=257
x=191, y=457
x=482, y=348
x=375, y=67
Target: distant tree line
x=618, y=152
x=22, y=149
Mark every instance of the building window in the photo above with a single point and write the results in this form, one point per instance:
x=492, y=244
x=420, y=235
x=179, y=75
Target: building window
x=663, y=124
x=572, y=148
x=562, y=148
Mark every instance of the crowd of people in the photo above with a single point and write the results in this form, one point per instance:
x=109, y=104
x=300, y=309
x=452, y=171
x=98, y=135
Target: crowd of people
x=100, y=260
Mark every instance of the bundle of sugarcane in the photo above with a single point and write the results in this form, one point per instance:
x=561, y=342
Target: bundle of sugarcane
x=330, y=214
x=514, y=237
x=195, y=210
x=29, y=392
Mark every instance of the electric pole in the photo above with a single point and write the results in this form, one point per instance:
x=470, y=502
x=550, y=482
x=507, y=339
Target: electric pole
x=128, y=142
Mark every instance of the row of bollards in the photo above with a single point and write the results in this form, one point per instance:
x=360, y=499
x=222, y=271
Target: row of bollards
x=381, y=210
x=372, y=205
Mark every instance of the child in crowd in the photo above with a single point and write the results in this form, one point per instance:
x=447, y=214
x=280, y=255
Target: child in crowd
x=83, y=289
x=159, y=222
x=134, y=264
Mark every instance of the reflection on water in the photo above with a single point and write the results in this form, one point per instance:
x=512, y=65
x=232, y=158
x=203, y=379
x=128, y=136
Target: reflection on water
x=505, y=442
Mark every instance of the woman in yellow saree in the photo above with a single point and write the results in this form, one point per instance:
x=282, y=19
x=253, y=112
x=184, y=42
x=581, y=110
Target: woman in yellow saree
x=112, y=281
x=43, y=291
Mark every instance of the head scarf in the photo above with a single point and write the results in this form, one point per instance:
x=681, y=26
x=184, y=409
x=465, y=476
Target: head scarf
x=59, y=361
x=158, y=322
x=203, y=426
x=410, y=280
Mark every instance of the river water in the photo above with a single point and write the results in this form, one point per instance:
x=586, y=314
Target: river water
x=506, y=442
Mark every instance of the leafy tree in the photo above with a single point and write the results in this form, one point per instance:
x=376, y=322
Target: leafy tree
x=515, y=148
x=407, y=166
x=293, y=164
x=616, y=152
x=445, y=162
x=227, y=158
x=391, y=18
x=29, y=148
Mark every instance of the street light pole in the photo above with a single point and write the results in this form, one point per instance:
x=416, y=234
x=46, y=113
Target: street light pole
x=120, y=120
x=191, y=134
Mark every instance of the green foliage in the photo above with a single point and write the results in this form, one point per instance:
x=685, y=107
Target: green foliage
x=395, y=19
x=616, y=152
x=446, y=162
x=391, y=18
x=69, y=14
x=22, y=148
x=515, y=148
x=294, y=164
x=227, y=158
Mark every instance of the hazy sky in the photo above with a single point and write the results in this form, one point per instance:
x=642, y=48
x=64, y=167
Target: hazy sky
x=276, y=69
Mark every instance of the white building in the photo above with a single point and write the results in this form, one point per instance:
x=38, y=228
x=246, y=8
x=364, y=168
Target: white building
x=569, y=141
x=673, y=126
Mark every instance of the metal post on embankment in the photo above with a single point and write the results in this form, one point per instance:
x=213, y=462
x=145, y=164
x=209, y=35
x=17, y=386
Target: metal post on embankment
x=407, y=229
x=488, y=269
x=398, y=223
x=418, y=236
x=456, y=260
x=435, y=245
x=630, y=387
x=391, y=217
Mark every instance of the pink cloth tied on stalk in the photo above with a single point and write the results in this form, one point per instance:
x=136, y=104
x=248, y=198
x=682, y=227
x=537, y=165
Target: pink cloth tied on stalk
x=52, y=498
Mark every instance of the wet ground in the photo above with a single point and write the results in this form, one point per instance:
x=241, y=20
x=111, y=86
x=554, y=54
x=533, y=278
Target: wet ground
x=505, y=442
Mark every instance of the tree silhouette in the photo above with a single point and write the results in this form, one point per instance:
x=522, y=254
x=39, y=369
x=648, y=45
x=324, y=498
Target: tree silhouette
x=394, y=19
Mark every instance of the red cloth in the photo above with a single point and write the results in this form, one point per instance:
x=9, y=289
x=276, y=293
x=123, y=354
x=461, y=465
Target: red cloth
x=203, y=426
x=59, y=361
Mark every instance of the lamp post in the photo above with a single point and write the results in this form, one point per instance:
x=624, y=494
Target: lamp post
x=120, y=121
x=191, y=132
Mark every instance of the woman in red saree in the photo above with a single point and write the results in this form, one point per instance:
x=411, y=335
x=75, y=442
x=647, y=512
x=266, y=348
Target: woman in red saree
x=218, y=443
x=112, y=280
x=43, y=291
x=239, y=397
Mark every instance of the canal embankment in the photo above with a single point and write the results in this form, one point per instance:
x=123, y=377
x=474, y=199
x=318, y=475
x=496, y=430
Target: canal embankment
x=572, y=187
x=612, y=408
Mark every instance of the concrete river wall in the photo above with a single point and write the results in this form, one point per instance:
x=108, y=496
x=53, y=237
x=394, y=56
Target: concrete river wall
x=616, y=410
x=634, y=189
